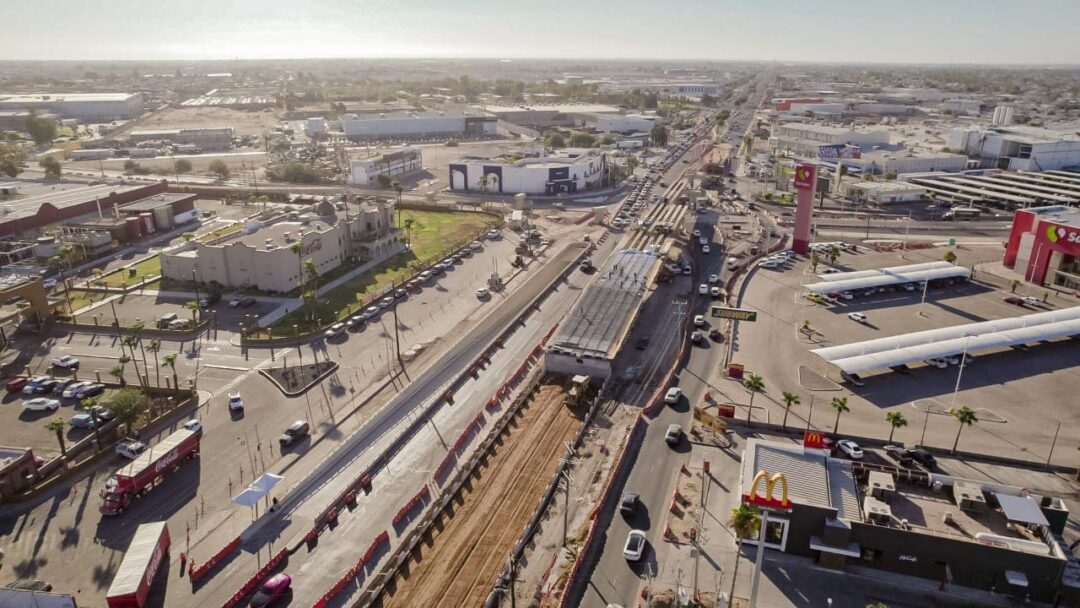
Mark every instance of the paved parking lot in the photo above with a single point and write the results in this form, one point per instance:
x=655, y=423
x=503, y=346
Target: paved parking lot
x=1020, y=396
x=22, y=429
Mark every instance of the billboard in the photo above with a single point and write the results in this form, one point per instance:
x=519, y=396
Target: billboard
x=738, y=314
x=804, y=176
x=835, y=151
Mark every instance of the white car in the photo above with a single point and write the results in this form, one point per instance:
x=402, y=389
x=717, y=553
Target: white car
x=635, y=545
x=705, y=249
x=41, y=404
x=483, y=293
x=697, y=233
x=850, y=448
x=1032, y=301
x=703, y=289
x=699, y=321
x=493, y=234
x=386, y=302
x=130, y=449
x=770, y=264
x=714, y=278
x=858, y=317
x=476, y=245
x=66, y=362
x=236, y=404
x=716, y=292
x=371, y=312
x=73, y=389
x=194, y=426
x=939, y=363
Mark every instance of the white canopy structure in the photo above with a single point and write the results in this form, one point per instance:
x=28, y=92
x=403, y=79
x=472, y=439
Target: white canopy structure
x=888, y=352
x=859, y=274
x=257, y=490
x=897, y=278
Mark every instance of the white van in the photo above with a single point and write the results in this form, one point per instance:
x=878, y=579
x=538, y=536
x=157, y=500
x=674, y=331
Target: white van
x=673, y=395
x=732, y=263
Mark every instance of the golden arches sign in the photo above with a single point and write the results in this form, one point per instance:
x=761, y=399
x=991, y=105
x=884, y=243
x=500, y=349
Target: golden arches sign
x=768, y=499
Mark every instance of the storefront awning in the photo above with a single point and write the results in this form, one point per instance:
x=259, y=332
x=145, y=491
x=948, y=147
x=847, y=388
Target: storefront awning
x=1022, y=509
x=850, y=550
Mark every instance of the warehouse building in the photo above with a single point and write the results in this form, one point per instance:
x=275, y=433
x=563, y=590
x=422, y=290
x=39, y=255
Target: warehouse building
x=1045, y=246
x=545, y=116
x=414, y=125
x=1017, y=148
x=805, y=139
x=366, y=171
x=844, y=513
x=261, y=256
x=900, y=162
x=208, y=138
x=28, y=216
x=15, y=120
x=620, y=123
x=86, y=107
x=882, y=193
x=547, y=175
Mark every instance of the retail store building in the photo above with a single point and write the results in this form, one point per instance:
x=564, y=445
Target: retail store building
x=1045, y=246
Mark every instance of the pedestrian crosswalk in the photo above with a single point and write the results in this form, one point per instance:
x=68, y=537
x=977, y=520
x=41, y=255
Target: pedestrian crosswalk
x=231, y=384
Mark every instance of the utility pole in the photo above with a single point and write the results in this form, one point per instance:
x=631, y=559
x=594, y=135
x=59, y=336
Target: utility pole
x=397, y=332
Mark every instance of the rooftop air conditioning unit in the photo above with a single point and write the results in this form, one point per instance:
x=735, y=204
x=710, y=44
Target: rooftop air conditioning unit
x=947, y=518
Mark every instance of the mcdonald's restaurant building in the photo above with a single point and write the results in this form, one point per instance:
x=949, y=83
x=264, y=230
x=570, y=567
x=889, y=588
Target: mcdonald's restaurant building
x=849, y=515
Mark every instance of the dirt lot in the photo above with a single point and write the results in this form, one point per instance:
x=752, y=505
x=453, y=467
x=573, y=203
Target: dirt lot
x=456, y=564
x=244, y=122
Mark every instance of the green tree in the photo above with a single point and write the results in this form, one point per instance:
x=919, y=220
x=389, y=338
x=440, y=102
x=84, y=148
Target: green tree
x=659, y=135
x=582, y=140
x=966, y=417
x=51, y=167
x=312, y=281
x=129, y=342
x=384, y=181
x=790, y=399
x=182, y=165
x=170, y=361
x=708, y=100
x=896, y=420
x=299, y=173
x=193, y=306
x=298, y=249
x=754, y=384
x=117, y=372
x=126, y=405
x=155, y=347
x=815, y=259
x=631, y=164
x=57, y=425
x=408, y=225
x=42, y=130
x=555, y=140
x=89, y=404
x=949, y=256
x=745, y=520
x=219, y=168
x=834, y=254
x=840, y=405
x=130, y=166
x=11, y=160
x=396, y=185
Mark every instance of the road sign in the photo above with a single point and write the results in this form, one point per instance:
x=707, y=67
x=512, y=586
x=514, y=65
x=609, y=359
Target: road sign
x=737, y=314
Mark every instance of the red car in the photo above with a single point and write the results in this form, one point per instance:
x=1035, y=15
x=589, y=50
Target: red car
x=15, y=385
x=272, y=590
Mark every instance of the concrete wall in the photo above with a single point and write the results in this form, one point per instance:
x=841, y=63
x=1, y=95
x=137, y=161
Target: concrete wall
x=560, y=363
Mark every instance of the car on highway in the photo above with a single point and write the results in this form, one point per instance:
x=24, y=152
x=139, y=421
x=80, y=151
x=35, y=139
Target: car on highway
x=850, y=449
x=699, y=320
x=858, y=317
x=236, y=404
x=483, y=293
x=273, y=589
x=294, y=434
x=716, y=292
x=130, y=449
x=673, y=435
x=628, y=503
x=635, y=545
x=66, y=362
x=697, y=233
x=705, y=249
x=41, y=404
x=242, y=302
x=714, y=278
x=703, y=289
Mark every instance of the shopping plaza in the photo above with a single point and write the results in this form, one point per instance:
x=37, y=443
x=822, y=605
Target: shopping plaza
x=1045, y=246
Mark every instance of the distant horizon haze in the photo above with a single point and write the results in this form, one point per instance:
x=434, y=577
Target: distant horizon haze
x=954, y=32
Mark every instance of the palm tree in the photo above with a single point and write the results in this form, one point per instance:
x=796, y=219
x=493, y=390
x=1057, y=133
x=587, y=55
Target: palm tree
x=484, y=184
x=408, y=224
x=950, y=257
x=154, y=346
x=834, y=254
x=298, y=249
x=170, y=360
x=193, y=306
x=89, y=404
x=815, y=259
x=117, y=372
x=129, y=342
x=57, y=425
x=745, y=520
x=896, y=420
x=790, y=399
x=312, y=275
x=840, y=405
x=966, y=417
x=136, y=330
x=754, y=384
x=396, y=185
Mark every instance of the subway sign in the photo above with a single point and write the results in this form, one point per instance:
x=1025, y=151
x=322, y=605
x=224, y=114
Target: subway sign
x=738, y=314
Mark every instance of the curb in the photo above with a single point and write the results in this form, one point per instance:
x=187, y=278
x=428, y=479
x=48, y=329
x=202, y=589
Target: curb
x=315, y=381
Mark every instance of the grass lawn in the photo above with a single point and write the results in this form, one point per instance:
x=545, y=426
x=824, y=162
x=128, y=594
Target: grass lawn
x=81, y=299
x=433, y=234
x=149, y=267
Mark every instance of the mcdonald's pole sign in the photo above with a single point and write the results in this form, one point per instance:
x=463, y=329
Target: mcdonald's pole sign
x=768, y=500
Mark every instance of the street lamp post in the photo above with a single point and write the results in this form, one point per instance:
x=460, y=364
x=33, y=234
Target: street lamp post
x=960, y=372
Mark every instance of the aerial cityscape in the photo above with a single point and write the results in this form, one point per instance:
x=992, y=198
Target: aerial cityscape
x=604, y=305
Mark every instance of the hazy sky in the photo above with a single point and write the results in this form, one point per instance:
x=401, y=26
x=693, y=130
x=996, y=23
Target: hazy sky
x=918, y=31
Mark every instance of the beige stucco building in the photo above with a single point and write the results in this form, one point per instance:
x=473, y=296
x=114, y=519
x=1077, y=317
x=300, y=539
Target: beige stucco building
x=263, y=256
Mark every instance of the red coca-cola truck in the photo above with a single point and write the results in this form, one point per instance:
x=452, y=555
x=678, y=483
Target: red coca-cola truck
x=143, y=559
x=143, y=473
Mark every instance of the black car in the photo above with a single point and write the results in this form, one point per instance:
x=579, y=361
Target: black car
x=628, y=503
x=923, y=457
x=642, y=343
x=45, y=387
x=899, y=454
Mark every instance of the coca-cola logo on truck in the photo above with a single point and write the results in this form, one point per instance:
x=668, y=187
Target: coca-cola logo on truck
x=166, y=461
x=155, y=561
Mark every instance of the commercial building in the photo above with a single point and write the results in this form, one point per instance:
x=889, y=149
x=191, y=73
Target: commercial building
x=883, y=193
x=900, y=162
x=805, y=139
x=15, y=120
x=673, y=88
x=29, y=215
x=548, y=175
x=557, y=115
x=848, y=513
x=209, y=138
x=1044, y=245
x=969, y=107
x=261, y=256
x=1017, y=148
x=161, y=212
x=366, y=171
x=594, y=332
x=620, y=123
x=410, y=124
x=86, y=107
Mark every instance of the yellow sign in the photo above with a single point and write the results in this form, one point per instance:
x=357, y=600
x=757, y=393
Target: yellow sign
x=713, y=422
x=768, y=499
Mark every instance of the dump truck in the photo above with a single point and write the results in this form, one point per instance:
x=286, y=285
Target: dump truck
x=143, y=559
x=143, y=473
